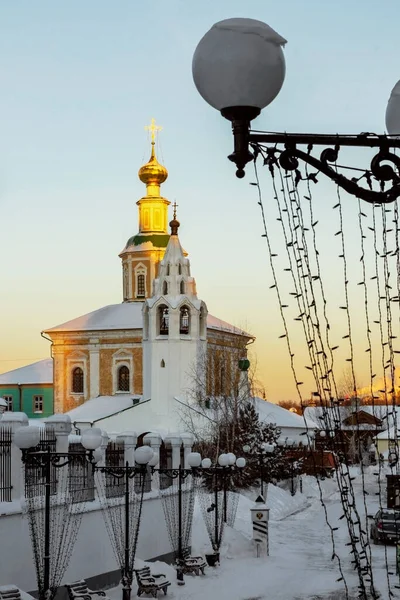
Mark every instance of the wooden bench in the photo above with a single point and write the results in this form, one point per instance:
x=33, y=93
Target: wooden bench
x=9, y=592
x=79, y=589
x=193, y=564
x=150, y=583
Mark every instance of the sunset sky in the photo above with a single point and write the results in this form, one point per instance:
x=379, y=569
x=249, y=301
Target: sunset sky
x=78, y=83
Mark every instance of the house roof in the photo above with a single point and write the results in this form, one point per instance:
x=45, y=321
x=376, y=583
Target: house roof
x=100, y=408
x=38, y=372
x=273, y=413
x=127, y=315
x=382, y=413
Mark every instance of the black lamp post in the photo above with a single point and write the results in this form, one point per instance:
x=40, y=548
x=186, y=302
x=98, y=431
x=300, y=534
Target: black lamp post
x=226, y=466
x=143, y=456
x=262, y=452
x=27, y=439
x=239, y=69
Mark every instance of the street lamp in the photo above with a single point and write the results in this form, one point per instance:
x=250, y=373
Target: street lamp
x=130, y=523
x=184, y=528
x=49, y=574
x=262, y=452
x=239, y=68
x=226, y=466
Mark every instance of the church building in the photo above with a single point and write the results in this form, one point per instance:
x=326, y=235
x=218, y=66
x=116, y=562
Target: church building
x=159, y=345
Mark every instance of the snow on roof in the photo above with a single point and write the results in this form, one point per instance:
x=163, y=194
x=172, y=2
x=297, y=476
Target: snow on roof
x=3, y=402
x=100, y=408
x=273, y=413
x=38, y=372
x=127, y=315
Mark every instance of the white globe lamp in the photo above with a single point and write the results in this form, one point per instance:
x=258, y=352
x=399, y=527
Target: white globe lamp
x=223, y=460
x=206, y=463
x=194, y=459
x=231, y=459
x=27, y=437
x=393, y=111
x=91, y=438
x=240, y=462
x=143, y=455
x=239, y=64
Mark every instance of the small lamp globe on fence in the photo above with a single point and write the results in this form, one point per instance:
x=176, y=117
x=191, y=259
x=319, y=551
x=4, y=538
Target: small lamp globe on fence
x=268, y=448
x=246, y=448
x=91, y=438
x=206, y=463
x=194, y=459
x=143, y=455
x=240, y=462
x=322, y=434
x=238, y=67
x=223, y=460
x=27, y=437
x=231, y=459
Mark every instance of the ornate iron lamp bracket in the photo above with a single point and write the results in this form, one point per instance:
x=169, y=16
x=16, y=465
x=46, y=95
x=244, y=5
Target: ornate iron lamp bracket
x=119, y=472
x=40, y=458
x=283, y=149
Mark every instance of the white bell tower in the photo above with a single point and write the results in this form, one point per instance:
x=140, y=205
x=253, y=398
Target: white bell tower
x=174, y=333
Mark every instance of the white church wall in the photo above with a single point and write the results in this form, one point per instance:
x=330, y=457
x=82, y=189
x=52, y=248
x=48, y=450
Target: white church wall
x=92, y=555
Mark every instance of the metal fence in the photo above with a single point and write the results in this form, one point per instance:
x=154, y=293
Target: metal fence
x=5, y=465
x=35, y=476
x=80, y=475
x=115, y=454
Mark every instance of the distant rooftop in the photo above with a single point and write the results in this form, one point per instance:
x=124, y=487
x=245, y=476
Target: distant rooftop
x=38, y=372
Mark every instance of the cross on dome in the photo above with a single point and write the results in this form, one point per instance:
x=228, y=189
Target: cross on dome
x=175, y=206
x=154, y=129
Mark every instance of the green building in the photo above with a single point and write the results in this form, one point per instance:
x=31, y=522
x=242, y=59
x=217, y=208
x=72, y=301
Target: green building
x=29, y=389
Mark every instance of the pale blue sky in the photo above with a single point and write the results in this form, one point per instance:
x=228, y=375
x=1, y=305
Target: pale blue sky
x=78, y=82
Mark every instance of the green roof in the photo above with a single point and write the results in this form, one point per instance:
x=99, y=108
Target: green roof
x=159, y=240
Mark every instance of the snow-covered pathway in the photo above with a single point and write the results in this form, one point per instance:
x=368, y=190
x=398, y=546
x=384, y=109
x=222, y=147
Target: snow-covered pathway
x=299, y=566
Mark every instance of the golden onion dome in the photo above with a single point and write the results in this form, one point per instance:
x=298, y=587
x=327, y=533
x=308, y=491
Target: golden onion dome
x=152, y=173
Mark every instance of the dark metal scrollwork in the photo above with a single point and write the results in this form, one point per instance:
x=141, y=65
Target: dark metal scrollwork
x=289, y=160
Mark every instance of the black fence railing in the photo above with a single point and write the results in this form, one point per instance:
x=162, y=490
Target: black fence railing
x=115, y=454
x=5, y=465
x=80, y=476
x=34, y=476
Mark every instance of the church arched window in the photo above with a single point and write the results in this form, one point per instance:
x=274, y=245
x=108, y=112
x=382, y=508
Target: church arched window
x=168, y=269
x=165, y=288
x=184, y=320
x=123, y=379
x=77, y=381
x=182, y=287
x=179, y=269
x=140, y=286
x=163, y=320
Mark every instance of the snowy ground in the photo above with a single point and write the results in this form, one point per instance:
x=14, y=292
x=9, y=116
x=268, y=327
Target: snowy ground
x=299, y=566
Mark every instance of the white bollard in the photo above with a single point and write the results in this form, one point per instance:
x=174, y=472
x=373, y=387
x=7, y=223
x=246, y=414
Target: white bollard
x=260, y=518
